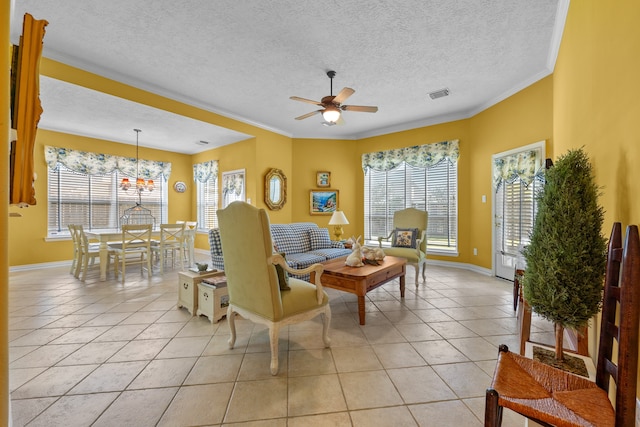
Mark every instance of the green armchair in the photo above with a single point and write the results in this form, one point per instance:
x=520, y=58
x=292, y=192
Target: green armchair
x=252, y=280
x=415, y=251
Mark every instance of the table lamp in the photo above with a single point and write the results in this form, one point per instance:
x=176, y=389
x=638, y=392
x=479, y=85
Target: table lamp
x=338, y=220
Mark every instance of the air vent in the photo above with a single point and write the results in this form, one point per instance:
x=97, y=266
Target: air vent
x=202, y=142
x=439, y=93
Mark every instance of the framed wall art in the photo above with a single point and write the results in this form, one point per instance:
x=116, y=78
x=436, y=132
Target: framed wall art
x=323, y=179
x=323, y=202
x=233, y=187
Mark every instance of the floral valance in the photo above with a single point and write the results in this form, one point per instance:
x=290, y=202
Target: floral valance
x=524, y=166
x=103, y=164
x=427, y=155
x=203, y=172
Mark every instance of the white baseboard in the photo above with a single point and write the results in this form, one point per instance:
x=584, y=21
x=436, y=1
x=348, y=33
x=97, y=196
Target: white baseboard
x=461, y=265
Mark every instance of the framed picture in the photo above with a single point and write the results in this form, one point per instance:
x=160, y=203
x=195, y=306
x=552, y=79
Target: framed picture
x=323, y=202
x=323, y=179
x=233, y=187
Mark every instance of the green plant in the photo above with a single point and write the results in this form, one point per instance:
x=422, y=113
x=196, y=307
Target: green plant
x=567, y=254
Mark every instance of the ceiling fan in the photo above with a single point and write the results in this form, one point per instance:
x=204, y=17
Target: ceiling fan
x=332, y=105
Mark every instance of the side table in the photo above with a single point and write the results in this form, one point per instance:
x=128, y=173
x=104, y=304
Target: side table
x=188, y=288
x=213, y=300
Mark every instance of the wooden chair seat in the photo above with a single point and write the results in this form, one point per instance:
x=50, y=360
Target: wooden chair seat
x=553, y=397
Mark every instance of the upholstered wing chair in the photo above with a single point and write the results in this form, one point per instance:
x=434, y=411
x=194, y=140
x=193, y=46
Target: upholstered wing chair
x=405, y=243
x=252, y=279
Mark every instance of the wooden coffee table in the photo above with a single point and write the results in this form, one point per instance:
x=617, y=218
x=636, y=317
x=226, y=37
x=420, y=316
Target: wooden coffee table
x=360, y=280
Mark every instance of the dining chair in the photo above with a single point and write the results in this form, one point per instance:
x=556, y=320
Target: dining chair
x=135, y=248
x=171, y=243
x=409, y=239
x=88, y=252
x=553, y=397
x=252, y=280
x=75, y=262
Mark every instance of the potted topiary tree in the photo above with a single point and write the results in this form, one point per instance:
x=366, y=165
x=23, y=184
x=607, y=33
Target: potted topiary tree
x=567, y=255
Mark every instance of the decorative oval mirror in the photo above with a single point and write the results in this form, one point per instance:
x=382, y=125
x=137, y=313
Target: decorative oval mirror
x=275, y=189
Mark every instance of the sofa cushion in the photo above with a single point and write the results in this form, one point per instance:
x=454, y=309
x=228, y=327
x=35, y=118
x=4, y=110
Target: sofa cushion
x=319, y=238
x=304, y=259
x=285, y=239
x=331, y=253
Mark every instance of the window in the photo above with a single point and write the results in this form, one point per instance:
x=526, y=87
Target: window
x=423, y=177
x=206, y=177
x=434, y=189
x=96, y=201
x=207, y=204
x=518, y=209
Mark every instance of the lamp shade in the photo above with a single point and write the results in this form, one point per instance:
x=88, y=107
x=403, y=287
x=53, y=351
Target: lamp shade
x=331, y=114
x=338, y=218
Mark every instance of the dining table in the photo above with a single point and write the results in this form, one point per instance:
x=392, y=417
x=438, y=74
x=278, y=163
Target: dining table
x=115, y=236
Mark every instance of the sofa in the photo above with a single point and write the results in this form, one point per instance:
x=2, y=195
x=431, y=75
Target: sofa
x=303, y=244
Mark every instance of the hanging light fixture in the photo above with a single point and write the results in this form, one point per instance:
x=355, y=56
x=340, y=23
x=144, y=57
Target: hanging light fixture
x=141, y=185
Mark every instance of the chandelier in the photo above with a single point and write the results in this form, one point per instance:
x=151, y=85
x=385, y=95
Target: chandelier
x=141, y=184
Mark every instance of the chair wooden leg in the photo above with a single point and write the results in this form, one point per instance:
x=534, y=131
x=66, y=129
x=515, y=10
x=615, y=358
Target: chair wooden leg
x=424, y=271
x=274, y=333
x=231, y=319
x=326, y=320
x=492, y=411
x=417, y=267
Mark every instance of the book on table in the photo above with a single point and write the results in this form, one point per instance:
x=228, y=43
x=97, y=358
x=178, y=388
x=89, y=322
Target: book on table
x=217, y=281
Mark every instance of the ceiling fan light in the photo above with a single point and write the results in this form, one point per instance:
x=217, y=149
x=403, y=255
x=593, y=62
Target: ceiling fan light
x=331, y=114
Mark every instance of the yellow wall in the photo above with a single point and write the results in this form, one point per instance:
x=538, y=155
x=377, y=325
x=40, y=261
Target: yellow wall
x=596, y=103
x=519, y=120
x=334, y=156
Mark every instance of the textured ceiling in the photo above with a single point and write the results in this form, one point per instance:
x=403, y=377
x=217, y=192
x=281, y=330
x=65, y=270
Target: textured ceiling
x=244, y=59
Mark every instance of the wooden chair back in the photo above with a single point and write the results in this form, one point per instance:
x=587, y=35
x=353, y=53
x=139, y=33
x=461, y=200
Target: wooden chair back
x=622, y=297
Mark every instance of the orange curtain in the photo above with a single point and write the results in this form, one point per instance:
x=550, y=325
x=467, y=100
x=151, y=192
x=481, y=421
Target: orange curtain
x=27, y=111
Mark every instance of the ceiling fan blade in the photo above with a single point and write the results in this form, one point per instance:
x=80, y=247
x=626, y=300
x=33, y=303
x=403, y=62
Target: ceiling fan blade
x=359, y=108
x=344, y=94
x=304, y=116
x=308, y=101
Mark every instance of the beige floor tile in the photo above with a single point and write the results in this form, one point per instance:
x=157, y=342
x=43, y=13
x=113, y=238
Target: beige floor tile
x=95, y=352
x=23, y=411
x=160, y=330
x=257, y=366
x=450, y=330
x=18, y=377
x=184, y=347
x=40, y=336
x=16, y=353
x=198, y=326
x=107, y=319
x=465, y=379
x=215, y=369
x=163, y=373
x=54, y=381
x=45, y=356
x=449, y=413
x=347, y=337
x=139, y=350
x=71, y=321
x=268, y=399
x=340, y=419
x=311, y=362
x=398, y=355
x=371, y=389
x=383, y=334
x=72, y=411
x=397, y=416
x=439, y=352
x=420, y=385
x=143, y=317
x=138, y=408
x=432, y=315
x=502, y=326
x=475, y=348
x=109, y=377
x=81, y=335
x=418, y=332
x=122, y=333
x=219, y=344
x=198, y=405
x=315, y=395
x=509, y=418
x=351, y=359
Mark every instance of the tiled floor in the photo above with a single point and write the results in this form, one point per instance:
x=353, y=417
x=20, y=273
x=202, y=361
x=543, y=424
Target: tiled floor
x=107, y=354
